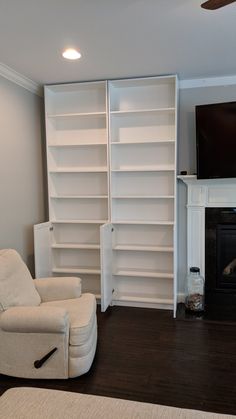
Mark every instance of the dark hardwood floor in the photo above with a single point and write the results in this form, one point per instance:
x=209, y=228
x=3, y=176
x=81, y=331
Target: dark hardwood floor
x=146, y=355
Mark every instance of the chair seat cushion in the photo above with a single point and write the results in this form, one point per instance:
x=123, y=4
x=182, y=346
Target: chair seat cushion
x=82, y=315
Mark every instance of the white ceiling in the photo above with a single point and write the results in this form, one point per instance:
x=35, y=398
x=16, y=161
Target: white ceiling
x=117, y=38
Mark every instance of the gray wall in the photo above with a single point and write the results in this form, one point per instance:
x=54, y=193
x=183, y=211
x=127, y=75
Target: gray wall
x=21, y=168
x=189, y=98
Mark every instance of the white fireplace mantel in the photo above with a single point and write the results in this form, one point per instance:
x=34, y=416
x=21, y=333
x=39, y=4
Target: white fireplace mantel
x=202, y=193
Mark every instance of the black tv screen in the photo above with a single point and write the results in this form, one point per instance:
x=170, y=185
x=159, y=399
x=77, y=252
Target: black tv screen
x=216, y=140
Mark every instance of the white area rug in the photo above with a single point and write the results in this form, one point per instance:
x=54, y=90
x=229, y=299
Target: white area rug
x=33, y=403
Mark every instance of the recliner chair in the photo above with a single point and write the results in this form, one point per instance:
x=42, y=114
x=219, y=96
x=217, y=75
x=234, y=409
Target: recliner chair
x=48, y=329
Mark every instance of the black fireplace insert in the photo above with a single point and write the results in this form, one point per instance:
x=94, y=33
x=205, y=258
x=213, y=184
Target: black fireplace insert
x=220, y=257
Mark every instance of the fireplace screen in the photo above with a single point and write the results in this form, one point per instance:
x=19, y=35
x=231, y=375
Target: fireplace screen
x=226, y=255
x=220, y=257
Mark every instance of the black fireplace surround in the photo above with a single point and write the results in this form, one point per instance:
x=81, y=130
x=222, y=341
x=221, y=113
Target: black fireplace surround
x=220, y=258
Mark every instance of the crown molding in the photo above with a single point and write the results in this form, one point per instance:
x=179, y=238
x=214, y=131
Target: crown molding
x=23, y=81
x=17, y=78
x=207, y=82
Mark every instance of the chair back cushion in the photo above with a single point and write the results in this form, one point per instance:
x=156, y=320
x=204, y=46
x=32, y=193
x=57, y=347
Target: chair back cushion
x=16, y=283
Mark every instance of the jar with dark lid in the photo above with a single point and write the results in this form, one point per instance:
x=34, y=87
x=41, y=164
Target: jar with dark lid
x=194, y=293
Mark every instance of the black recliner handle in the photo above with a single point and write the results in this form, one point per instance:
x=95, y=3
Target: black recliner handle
x=39, y=362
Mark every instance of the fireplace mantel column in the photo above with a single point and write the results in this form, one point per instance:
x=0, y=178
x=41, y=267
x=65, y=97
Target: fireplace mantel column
x=202, y=193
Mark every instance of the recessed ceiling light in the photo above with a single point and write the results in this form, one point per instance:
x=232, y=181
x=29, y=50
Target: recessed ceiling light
x=71, y=54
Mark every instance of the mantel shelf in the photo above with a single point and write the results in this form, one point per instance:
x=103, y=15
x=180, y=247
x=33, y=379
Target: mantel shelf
x=193, y=180
x=210, y=192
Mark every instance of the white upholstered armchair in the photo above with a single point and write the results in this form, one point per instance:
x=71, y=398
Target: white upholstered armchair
x=48, y=329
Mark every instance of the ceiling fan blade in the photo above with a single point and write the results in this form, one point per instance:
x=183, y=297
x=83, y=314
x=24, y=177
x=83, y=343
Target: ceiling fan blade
x=216, y=4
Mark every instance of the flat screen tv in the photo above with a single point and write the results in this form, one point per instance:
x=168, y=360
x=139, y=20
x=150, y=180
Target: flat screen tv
x=216, y=140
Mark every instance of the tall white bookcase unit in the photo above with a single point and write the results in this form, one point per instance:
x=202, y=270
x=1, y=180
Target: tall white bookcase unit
x=142, y=141
x=77, y=160
x=111, y=152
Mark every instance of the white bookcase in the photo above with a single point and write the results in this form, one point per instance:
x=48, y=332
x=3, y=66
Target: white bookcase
x=77, y=159
x=142, y=140
x=126, y=184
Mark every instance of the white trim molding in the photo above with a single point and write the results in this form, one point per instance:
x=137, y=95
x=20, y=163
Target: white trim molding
x=23, y=81
x=203, y=193
x=207, y=82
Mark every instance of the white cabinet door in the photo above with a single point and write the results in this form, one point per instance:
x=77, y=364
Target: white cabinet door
x=106, y=266
x=42, y=249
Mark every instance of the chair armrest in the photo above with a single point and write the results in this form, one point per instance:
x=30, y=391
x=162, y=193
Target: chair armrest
x=58, y=288
x=34, y=320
